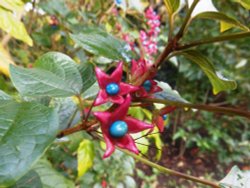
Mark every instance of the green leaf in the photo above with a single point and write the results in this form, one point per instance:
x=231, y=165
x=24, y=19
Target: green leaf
x=168, y=93
x=100, y=43
x=26, y=130
x=31, y=179
x=66, y=109
x=54, y=75
x=4, y=96
x=225, y=20
x=244, y=3
x=10, y=24
x=172, y=6
x=54, y=7
x=235, y=179
x=91, y=92
x=85, y=157
x=218, y=82
x=142, y=144
x=12, y=5
x=50, y=177
x=87, y=74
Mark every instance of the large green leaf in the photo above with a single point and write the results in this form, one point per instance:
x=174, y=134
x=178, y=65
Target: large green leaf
x=88, y=75
x=218, y=82
x=85, y=157
x=31, y=179
x=10, y=24
x=66, y=109
x=4, y=96
x=50, y=177
x=224, y=19
x=12, y=5
x=172, y=6
x=54, y=75
x=100, y=43
x=26, y=130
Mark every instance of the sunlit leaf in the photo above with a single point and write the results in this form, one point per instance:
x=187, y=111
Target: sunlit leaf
x=244, y=3
x=219, y=82
x=5, y=61
x=226, y=21
x=172, y=6
x=11, y=24
x=85, y=157
x=13, y=5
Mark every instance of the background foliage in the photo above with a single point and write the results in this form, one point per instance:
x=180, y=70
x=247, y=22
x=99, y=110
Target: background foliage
x=31, y=38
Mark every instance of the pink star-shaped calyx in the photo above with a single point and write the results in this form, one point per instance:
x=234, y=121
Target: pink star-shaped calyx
x=120, y=135
x=111, y=87
x=158, y=119
x=138, y=68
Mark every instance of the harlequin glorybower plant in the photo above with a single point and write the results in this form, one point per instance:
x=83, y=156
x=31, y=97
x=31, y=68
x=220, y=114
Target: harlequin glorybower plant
x=29, y=126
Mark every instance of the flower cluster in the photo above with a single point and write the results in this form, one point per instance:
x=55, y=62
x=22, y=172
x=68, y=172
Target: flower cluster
x=148, y=39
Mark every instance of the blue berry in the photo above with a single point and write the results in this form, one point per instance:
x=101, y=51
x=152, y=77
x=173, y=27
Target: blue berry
x=118, y=129
x=147, y=85
x=118, y=2
x=165, y=116
x=112, y=89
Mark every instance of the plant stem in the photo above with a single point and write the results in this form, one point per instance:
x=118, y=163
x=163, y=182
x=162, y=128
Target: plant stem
x=214, y=39
x=171, y=46
x=169, y=171
x=223, y=110
x=186, y=20
x=81, y=105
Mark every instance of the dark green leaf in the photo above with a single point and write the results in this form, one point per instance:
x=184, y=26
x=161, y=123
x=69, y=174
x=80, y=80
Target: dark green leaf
x=88, y=75
x=26, y=130
x=54, y=75
x=101, y=43
x=31, y=179
x=218, y=82
x=50, y=177
x=54, y=7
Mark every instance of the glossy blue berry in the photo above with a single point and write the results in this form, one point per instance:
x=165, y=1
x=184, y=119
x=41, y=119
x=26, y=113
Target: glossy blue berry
x=165, y=116
x=118, y=129
x=118, y=2
x=147, y=85
x=112, y=89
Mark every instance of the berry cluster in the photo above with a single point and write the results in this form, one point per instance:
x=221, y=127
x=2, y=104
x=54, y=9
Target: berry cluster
x=116, y=124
